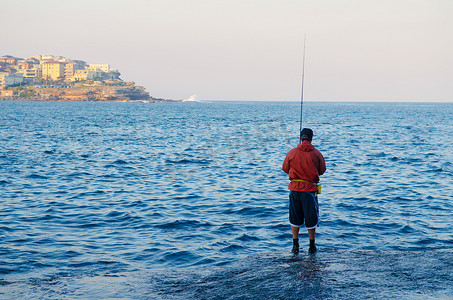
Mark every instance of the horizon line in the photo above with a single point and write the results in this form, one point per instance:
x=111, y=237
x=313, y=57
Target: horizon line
x=347, y=101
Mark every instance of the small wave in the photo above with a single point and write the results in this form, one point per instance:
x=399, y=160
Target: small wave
x=6, y=228
x=89, y=225
x=246, y=238
x=115, y=214
x=37, y=176
x=144, y=255
x=137, y=203
x=232, y=248
x=120, y=162
x=403, y=199
x=96, y=193
x=227, y=228
x=447, y=167
x=434, y=170
x=188, y=161
x=406, y=229
x=183, y=224
x=187, y=197
x=380, y=154
x=77, y=175
x=121, y=217
x=53, y=151
x=427, y=241
x=179, y=257
x=92, y=263
x=258, y=211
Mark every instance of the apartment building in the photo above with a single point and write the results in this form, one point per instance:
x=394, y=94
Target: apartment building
x=80, y=75
x=103, y=68
x=7, y=79
x=34, y=73
x=8, y=59
x=37, y=57
x=53, y=70
x=61, y=59
x=23, y=65
x=73, y=66
x=47, y=57
x=112, y=74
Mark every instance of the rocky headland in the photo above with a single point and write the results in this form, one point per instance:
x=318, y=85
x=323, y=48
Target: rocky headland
x=57, y=78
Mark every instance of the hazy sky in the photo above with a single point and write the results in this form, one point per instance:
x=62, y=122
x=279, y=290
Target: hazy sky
x=357, y=50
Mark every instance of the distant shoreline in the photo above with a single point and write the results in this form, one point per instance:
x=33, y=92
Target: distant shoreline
x=114, y=90
x=130, y=101
x=58, y=78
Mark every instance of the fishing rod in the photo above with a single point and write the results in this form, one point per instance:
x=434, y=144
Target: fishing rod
x=302, y=91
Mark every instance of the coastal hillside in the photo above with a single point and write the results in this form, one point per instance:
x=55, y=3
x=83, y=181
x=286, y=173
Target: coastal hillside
x=84, y=91
x=57, y=78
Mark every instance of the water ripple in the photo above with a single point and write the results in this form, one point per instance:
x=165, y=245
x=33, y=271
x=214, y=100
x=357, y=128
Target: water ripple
x=99, y=188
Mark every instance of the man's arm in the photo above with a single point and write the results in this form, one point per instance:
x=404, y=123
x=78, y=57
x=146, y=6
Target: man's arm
x=285, y=166
x=322, y=164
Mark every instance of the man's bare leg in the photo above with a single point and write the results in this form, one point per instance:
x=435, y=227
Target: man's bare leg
x=295, y=232
x=311, y=236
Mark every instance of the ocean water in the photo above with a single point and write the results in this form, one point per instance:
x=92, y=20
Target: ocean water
x=188, y=201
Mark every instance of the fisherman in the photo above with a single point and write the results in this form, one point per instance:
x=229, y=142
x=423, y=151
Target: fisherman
x=304, y=164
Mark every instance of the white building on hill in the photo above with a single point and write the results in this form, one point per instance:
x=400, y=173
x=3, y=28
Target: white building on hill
x=7, y=79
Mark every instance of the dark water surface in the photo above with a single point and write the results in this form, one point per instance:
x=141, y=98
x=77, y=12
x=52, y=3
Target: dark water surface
x=188, y=200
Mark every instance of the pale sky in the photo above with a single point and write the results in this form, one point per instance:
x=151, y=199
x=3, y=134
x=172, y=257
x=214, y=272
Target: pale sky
x=356, y=50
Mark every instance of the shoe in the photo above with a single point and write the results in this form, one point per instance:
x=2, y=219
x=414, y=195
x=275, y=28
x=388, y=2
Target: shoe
x=295, y=249
x=312, y=249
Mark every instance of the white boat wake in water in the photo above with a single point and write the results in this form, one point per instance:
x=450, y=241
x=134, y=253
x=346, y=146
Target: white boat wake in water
x=192, y=98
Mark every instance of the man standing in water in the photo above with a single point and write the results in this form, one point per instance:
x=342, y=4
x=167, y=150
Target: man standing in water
x=304, y=164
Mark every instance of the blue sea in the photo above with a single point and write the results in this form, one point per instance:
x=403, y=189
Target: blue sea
x=119, y=200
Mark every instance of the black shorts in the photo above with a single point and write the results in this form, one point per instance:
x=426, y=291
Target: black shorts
x=303, y=208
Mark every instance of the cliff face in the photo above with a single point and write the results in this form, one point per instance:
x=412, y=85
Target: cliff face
x=86, y=93
x=100, y=91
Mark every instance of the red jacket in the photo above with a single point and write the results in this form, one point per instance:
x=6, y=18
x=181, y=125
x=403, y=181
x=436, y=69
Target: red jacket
x=304, y=162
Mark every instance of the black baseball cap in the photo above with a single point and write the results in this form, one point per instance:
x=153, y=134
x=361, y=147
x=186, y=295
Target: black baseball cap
x=306, y=134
